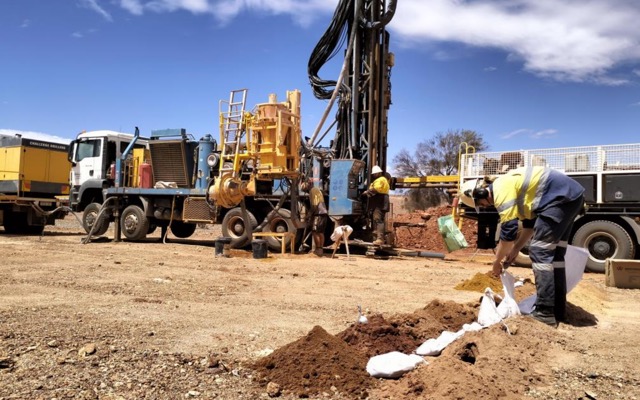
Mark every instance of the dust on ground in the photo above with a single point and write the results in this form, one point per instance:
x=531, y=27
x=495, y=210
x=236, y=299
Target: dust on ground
x=149, y=320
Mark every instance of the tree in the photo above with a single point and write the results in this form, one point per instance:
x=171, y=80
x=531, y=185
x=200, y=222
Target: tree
x=438, y=155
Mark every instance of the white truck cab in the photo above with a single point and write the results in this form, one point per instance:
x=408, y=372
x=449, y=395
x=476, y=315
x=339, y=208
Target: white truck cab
x=92, y=155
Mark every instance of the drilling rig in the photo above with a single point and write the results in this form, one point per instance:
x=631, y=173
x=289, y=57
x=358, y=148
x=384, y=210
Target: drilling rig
x=253, y=173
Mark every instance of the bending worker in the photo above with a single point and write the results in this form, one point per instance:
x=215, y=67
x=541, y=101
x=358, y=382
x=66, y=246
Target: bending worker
x=547, y=202
x=378, y=194
x=318, y=216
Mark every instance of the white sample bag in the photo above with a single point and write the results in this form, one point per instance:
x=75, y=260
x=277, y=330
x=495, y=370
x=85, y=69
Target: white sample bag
x=392, y=365
x=488, y=314
x=433, y=347
x=508, y=307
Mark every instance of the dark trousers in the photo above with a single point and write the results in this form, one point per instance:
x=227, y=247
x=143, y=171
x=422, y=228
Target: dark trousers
x=547, y=251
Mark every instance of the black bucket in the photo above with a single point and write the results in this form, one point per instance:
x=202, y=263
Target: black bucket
x=259, y=247
x=223, y=244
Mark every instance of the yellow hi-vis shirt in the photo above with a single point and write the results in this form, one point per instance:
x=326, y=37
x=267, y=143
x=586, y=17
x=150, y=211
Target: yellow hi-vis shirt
x=517, y=193
x=380, y=185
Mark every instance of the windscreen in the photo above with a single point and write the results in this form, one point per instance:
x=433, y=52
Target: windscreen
x=88, y=148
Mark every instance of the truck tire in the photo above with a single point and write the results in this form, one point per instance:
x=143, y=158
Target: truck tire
x=233, y=226
x=133, y=223
x=89, y=219
x=281, y=223
x=16, y=223
x=603, y=239
x=181, y=229
x=11, y=223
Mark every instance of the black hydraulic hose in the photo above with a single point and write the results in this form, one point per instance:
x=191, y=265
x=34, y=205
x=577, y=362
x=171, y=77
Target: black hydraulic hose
x=294, y=206
x=384, y=20
x=247, y=222
x=328, y=46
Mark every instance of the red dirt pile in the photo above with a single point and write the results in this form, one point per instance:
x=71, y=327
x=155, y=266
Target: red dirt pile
x=378, y=337
x=314, y=364
x=437, y=316
x=489, y=364
x=493, y=363
x=427, y=237
x=319, y=361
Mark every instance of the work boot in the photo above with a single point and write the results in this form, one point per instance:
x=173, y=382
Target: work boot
x=379, y=234
x=545, y=315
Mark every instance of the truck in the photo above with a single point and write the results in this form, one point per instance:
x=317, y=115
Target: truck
x=33, y=183
x=42, y=178
x=253, y=171
x=173, y=181
x=610, y=175
x=92, y=156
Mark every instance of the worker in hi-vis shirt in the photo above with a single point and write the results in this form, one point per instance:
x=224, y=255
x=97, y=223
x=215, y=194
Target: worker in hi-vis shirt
x=378, y=195
x=547, y=202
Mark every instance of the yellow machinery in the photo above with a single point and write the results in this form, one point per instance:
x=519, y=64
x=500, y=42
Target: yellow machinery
x=262, y=145
x=34, y=174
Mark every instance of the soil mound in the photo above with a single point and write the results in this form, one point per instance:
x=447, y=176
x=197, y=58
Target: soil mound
x=422, y=231
x=479, y=282
x=437, y=316
x=488, y=364
x=314, y=364
x=378, y=337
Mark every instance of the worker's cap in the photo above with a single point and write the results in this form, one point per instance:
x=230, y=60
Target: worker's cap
x=376, y=170
x=466, y=193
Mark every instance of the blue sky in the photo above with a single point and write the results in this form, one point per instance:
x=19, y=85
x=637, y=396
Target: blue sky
x=523, y=73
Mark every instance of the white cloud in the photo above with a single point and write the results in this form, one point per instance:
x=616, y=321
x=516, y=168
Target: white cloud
x=302, y=11
x=565, y=40
x=25, y=23
x=133, y=6
x=490, y=69
x=34, y=135
x=77, y=35
x=94, y=6
x=544, y=133
x=530, y=133
x=517, y=132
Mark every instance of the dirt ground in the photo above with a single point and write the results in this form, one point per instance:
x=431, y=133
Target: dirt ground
x=154, y=320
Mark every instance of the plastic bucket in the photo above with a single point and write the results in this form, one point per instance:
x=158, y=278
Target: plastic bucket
x=223, y=244
x=259, y=247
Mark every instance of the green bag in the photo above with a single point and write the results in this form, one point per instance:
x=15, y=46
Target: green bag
x=453, y=238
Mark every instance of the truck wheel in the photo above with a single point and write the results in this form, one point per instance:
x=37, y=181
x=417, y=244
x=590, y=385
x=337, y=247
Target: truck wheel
x=603, y=239
x=133, y=223
x=182, y=229
x=12, y=222
x=16, y=223
x=89, y=218
x=233, y=226
x=281, y=223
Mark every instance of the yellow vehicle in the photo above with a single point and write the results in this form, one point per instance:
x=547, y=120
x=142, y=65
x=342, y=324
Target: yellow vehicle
x=34, y=183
